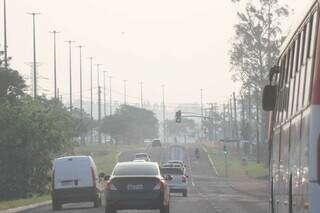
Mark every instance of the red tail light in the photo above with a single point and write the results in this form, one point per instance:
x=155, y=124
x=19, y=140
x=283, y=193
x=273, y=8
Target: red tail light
x=184, y=179
x=160, y=186
x=110, y=186
x=93, y=178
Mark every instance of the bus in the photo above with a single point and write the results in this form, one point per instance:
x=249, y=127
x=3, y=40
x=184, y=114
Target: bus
x=293, y=100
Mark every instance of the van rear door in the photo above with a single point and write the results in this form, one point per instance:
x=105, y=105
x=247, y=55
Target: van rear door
x=72, y=173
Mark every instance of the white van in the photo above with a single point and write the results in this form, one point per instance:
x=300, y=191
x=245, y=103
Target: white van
x=74, y=180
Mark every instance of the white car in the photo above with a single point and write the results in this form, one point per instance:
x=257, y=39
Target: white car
x=74, y=180
x=142, y=156
x=178, y=182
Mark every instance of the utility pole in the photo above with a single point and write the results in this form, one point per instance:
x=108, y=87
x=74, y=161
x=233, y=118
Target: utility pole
x=99, y=103
x=104, y=93
x=231, y=118
x=164, y=114
x=5, y=34
x=91, y=91
x=70, y=72
x=80, y=52
x=125, y=92
x=54, y=32
x=249, y=114
x=141, y=94
x=236, y=121
x=258, y=126
x=224, y=121
x=243, y=117
x=110, y=95
x=34, y=54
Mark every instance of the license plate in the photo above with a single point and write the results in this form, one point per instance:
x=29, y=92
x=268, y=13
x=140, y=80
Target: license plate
x=132, y=187
x=66, y=182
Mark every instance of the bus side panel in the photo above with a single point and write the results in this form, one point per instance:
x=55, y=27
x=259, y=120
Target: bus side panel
x=314, y=133
x=315, y=99
x=275, y=169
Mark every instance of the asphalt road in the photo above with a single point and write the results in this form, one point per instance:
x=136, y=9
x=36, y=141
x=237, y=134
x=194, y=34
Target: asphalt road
x=207, y=193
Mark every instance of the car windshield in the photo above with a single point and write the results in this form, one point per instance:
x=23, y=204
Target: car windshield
x=141, y=156
x=136, y=170
x=171, y=171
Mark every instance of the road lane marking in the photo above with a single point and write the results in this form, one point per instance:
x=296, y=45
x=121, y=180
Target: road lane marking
x=210, y=160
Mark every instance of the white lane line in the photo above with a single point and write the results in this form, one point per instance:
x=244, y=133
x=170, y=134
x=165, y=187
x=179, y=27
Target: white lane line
x=189, y=161
x=210, y=160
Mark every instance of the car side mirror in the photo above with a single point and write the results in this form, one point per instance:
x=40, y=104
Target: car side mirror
x=106, y=177
x=269, y=98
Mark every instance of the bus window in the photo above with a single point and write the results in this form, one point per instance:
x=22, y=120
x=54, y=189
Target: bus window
x=310, y=60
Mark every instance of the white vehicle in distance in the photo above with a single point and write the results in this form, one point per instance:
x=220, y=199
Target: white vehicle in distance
x=179, y=162
x=75, y=179
x=178, y=180
x=142, y=156
x=139, y=160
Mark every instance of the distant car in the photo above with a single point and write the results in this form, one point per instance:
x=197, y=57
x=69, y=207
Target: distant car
x=75, y=179
x=177, y=162
x=156, y=143
x=178, y=182
x=139, y=160
x=137, y=185
x=142, y=156
x=172, y=165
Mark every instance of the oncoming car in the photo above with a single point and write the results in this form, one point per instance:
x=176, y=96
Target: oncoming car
x=136, y=185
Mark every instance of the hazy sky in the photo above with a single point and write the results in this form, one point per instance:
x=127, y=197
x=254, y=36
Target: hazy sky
x=183, y=44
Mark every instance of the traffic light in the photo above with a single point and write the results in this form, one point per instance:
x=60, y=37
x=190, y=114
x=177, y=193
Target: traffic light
x=178, y=116
x=225, y=149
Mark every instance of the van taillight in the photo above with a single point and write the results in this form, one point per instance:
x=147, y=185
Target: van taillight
x=93, y=178
x=110, y=186
x=184, y=179
x=160, y=186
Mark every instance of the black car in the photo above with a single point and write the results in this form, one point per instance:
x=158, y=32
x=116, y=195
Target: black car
x=137, y=185
x=156, y=143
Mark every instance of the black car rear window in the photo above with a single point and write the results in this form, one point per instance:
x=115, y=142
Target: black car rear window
x=139, y=170
x=171, y=171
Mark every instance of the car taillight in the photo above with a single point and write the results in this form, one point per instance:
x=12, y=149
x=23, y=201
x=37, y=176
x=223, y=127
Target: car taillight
x=184, y=179
x=93, y=178
x=160, y=186
x=110, y=186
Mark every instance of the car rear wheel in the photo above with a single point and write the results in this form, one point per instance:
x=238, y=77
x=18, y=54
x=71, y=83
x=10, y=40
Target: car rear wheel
x=56, y=205
x=165, y=209
x=110, y=209
x=185, y=194
x=97, y=202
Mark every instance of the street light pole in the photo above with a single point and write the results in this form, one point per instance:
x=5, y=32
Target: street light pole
x=81, y=107
x=54, y=32
x=91, y=92
x=110, y=95
x=70, y=72
x=5, y=34
x=104, y=93
x=164, y=114
x=34, y=54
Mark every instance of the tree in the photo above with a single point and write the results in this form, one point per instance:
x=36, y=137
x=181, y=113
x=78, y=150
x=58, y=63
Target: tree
x=33, y=132
x=12, y=84
x=186, y=127
x=131, y=125
x=257, y=40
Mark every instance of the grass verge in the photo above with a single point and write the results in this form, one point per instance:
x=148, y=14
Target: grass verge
x=105, y=157
x=4, y=205
x=235, y=166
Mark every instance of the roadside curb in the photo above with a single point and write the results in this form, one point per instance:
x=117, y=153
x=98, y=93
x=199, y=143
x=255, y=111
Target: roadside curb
x=24, y=208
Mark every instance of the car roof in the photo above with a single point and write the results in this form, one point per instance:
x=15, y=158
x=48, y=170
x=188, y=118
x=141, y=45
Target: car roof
x=137, y=163
x=73, y=157
x=141, y=153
